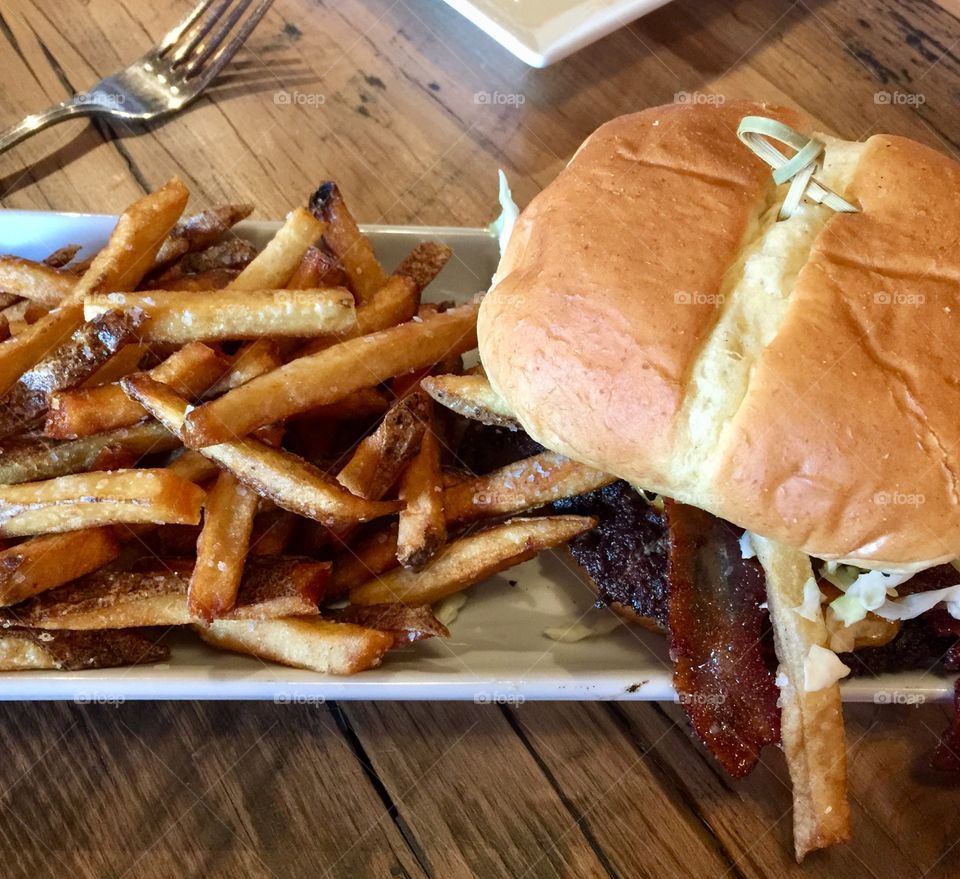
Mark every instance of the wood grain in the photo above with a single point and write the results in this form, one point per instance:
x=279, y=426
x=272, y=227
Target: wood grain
x=391, y=99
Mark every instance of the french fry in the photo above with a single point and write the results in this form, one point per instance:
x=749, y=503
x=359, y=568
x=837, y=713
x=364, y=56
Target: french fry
x=45, y=562
x=251, y=360
x=232, y=255
x=125, y=361
x=525, y=485
x=471, y=559
x=193, y=466
x=84, y=500
x=190, y=371
x=72, y=363
x=24, y=649
x=424, y=263
x=131, y=599
x=273, y=529
x=369, y=557
x=22, y=313
x=347, y=242
x=380, y=458
x=317, y=645
x=62, y=256
x=201, y=282
x=472, y=397
x=120, y=265
x=423, y=525
x=35, y=281
x=277, y=262
x=222, y=548
x=317, y=268
x=281, y=477
x=364, y=403
x=48, y=561
x=200, y=231
x=394, y=303
x=331, y=375
x=37, y=459
x=172, y=316
x=811, y=725
x=406, y=624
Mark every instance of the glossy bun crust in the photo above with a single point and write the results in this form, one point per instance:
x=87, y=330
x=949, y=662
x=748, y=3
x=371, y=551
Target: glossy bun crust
x=800, y=378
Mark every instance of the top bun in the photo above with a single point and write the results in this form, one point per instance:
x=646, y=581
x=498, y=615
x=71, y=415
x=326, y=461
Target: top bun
x=800, y=378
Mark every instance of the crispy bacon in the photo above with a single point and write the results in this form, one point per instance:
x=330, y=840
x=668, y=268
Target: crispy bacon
x=719, y=639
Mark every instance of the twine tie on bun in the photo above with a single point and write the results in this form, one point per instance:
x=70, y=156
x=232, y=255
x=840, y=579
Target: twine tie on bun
x=756, y=132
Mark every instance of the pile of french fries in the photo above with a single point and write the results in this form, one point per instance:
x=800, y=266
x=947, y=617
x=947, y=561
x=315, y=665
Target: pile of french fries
x=247, y=445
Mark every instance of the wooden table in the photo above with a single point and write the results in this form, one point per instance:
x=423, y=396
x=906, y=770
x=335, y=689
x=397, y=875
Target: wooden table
x=389, y=97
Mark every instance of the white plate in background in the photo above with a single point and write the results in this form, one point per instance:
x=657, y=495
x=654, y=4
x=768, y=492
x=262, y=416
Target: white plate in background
x=540, y=32
x=497, y=650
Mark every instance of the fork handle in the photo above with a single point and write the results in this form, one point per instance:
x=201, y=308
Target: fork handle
x=35, y=122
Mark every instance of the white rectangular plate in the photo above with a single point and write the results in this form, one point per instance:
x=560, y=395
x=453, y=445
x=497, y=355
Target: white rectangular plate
x=540, y=32
x=497, y=651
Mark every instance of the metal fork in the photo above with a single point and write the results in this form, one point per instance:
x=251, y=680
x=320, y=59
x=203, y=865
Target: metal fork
x=165, y=79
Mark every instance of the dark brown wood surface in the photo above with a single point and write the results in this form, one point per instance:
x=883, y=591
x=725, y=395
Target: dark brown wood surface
x=388, y=96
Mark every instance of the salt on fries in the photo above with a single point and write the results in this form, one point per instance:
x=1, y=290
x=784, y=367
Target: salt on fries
x=174, y=335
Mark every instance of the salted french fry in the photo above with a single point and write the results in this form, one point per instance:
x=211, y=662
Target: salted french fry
x=190, y=371
x=23, y=649
x=70, y=364
x=811, y=724
x=364, y=403
x=347, y=242
x=277, y=262
x=281, y=477
x=201, y=282
x=125, y=361
x=62, y=256
x=472, y=397
x=200, y=231
x=273, y=529
x=471, y=559
x=318, y=645
x=331, y=375
x=423, y=524
x=394, y=303
x=35, y=281
x=525, y=485
x=380, y=458
x=424, y=263
x=130, y=599
x=369, y=557
x=405, y=623
x=222, y=548
x=120, y=265
x=22, y=313
x=48, y=561
x=180, y=317
x=193, y=466
x=85, y=500
x=37, y=459
x=252, y=359
x=317, y=269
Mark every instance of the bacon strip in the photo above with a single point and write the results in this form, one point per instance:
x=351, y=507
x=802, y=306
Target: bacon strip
x=720, y=645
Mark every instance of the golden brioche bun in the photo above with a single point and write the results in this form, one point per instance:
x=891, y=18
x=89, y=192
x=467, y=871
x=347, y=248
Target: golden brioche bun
x=800, y=378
